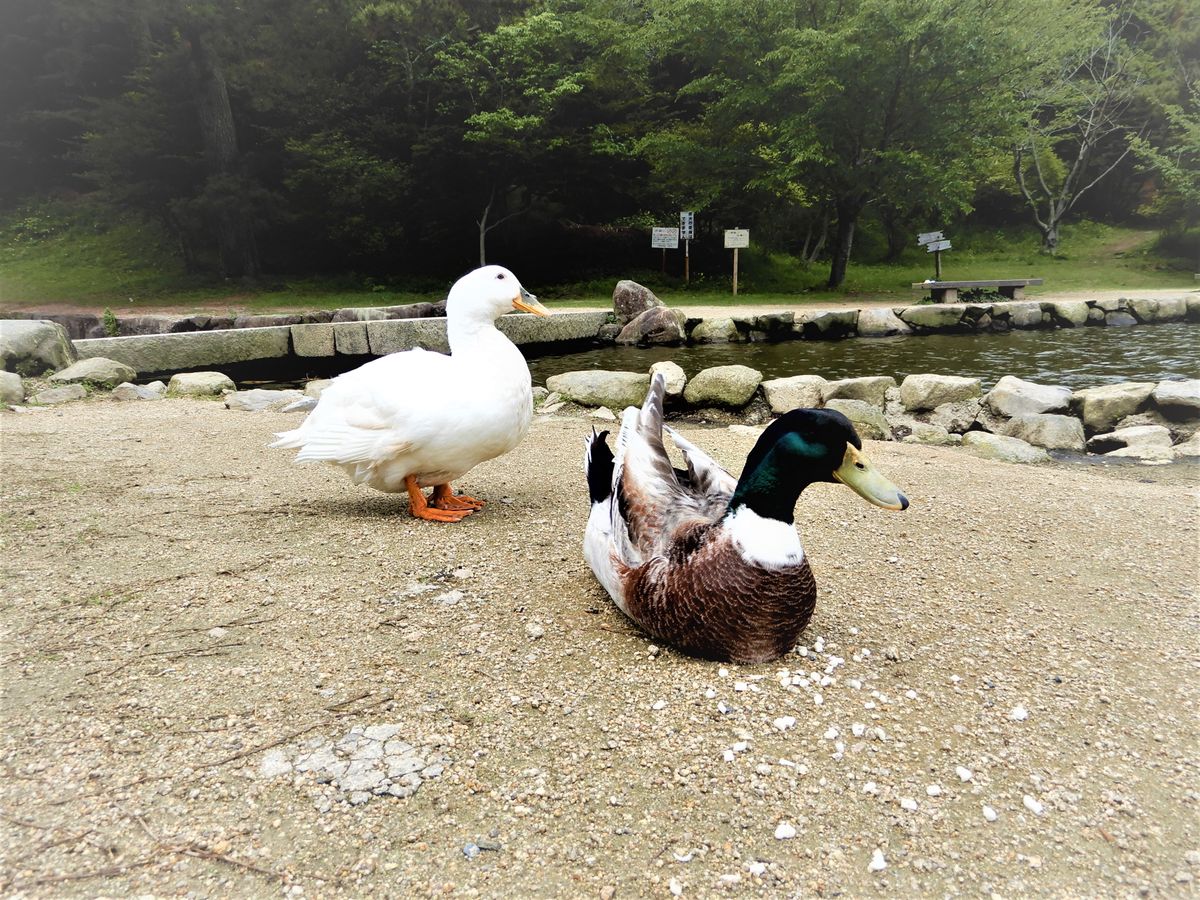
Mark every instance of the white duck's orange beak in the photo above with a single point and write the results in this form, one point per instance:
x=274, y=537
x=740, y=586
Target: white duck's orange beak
x=526, y=302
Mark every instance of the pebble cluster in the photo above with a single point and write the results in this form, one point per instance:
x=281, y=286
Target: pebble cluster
x=365, y=762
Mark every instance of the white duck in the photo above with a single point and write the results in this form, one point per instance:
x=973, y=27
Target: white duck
x=417, y=419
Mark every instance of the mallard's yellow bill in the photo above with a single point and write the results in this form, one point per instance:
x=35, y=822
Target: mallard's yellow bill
x=857, y=473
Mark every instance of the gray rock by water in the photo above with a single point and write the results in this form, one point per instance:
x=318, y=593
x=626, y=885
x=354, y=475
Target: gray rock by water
x=616, y=390
x=11, y=388
x=1103, y=407
x=870, y=389
x=200, y=384
x=928, y=391
x=1188, y=448
x=630, y=299
x=881, y=323
x=1138, y=437
x=729, y=386
x=658, y=325
x=868, y=419
x=1178, y=399
x=795, y=392
x=937, y=317
x=1054, y=432
x=675, y=379
x=31, y=347
x=1006, y=449
x=1013, y=396
x=95, y=370
x=957, y=417
x=716, y=331
x=935, y=435
x=1072, y=312
x=129, y=391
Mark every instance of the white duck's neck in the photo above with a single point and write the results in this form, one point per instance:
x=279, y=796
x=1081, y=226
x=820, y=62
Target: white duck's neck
x=466, y=331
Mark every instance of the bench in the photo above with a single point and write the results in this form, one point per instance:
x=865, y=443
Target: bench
x=947, y=291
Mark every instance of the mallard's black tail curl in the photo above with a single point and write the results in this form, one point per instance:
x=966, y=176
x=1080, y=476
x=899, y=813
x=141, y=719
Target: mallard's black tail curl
x=598, y=466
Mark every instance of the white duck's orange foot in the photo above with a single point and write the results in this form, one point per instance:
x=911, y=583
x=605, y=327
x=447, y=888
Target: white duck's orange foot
x=424, y=509
x=444, y=498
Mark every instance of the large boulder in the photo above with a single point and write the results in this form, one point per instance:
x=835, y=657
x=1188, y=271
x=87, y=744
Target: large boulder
x=97, y=370
x=716, y=331
x=868, y=418
x=870, y=389
x=1138, y=437
x=595, y=387
x=938, y=317
x=730, y=386
x=31, y=347
x=825, y=324
x=1103, y=407
x=1070, y=312
x=874, y=322
x=12, y=390
x=795, y=392
x=957, y=417
x=1013, y=396
x=1025, y=315
x=200, y=384
x=1054, y=432
x=1180, y=430
x=657, y=325
x=928, y=391
x=675, y=379
x=631, y=299
x=1006, y=449
x=1188, y=448
x=1177, y=399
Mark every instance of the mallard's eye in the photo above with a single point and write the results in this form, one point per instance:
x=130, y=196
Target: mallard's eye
x=859, y=465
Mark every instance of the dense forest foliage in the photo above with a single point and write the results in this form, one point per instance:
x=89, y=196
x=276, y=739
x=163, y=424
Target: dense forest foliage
x=421, y=136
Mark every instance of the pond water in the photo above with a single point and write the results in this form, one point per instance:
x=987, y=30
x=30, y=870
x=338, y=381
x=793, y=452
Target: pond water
x=1074, y=357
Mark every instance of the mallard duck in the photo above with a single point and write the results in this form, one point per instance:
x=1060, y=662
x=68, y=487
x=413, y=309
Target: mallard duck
x=706, y=562
x=417, y=419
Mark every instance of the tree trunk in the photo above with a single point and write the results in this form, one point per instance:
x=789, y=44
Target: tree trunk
x=483, y=230
x=847, y=217
x=235, y=233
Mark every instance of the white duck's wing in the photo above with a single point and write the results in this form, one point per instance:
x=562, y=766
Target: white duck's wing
x=651, y=502
x=372, y=412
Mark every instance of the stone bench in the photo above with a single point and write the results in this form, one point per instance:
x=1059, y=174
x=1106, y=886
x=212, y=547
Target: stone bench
x=947, y=291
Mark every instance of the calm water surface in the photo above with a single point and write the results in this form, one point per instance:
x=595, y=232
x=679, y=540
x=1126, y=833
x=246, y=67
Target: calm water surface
x=1074, y=357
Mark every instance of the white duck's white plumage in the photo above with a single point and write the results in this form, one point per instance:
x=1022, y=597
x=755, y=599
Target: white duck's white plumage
x=417, y=418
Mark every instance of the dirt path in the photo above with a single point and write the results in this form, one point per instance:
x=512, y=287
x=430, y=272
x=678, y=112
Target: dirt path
x=178, y=600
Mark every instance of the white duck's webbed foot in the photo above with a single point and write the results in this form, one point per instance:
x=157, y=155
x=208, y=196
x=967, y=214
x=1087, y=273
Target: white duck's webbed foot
x=444, y=498
x=423, y=509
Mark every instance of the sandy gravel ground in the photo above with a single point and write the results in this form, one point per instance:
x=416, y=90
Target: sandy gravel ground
x=179, y=602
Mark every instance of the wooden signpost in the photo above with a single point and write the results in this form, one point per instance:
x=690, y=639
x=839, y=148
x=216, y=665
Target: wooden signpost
x=664, y=239
x=687, y=231
x=736, y=239
x=934, y=242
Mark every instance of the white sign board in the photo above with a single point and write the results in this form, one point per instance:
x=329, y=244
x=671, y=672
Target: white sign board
x=737, y=238
x=937, y=245
x=928, y=237
x=664, y=239
x=687, y=225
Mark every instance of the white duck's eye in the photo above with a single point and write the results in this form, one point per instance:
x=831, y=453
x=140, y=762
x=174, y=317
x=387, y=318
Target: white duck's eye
x=500, y=277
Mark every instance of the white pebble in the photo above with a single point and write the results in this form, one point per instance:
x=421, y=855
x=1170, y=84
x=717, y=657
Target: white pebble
x=908, y=803
x=877, y=863
x=783, y=723
x=675, y=887
x=727, y=756
x=831, y=734
x=934, y=790
x=818, y=699
x=871, y=788
x=963, y=773
x=710, y=693
x=756, y=868
x=723, y=673
x=1019, y=713
x=659, y=704
x=910, y=694
x=785, y=831
x=858, y=729
x=534, y=630
x=855, y=683
x=740, y=686
x=989, y=813
x=721, y=707
x=1033, y=805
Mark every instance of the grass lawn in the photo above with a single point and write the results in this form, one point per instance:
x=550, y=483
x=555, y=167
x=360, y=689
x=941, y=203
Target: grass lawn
x=91, y=264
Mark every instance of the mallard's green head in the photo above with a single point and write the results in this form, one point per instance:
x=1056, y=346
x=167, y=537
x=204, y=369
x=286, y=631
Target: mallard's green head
x=800, y=448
